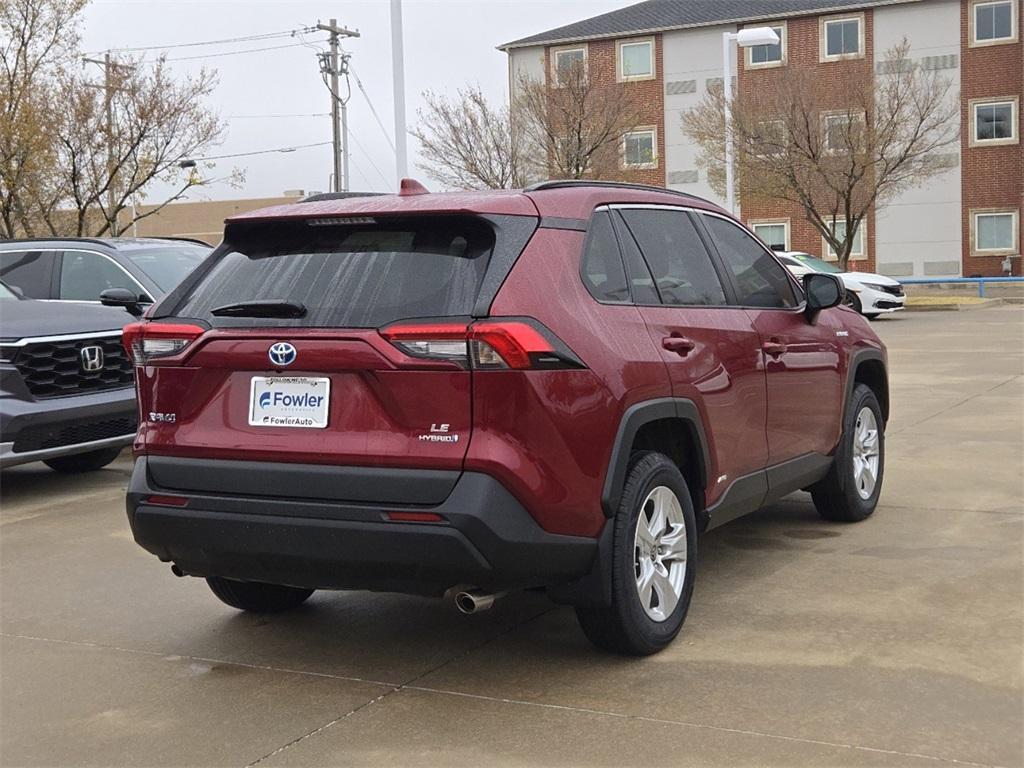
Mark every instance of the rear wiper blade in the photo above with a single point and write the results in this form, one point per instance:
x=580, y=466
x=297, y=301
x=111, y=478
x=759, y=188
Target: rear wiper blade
x=261, y=308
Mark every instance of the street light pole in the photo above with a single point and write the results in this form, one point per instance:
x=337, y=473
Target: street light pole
x=745, y=38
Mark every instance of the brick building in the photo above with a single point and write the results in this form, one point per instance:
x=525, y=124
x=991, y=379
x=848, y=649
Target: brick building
x=965, y=221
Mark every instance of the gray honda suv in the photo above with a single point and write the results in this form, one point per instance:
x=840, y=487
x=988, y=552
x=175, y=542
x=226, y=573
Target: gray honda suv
x=66, y=384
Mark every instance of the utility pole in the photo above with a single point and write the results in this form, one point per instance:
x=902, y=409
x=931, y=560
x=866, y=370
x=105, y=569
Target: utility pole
x=332, y=65
x=398, y=73
x=109, y=87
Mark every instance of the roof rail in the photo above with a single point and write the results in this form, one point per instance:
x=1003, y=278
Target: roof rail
x=570, y=183
x=93, y=240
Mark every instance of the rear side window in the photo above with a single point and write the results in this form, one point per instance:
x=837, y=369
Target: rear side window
x=676, y=256
x=349, y=276
x=30, y=271
x=603, y=273
x=85, y=275
x=760, y=280
x=167, y=266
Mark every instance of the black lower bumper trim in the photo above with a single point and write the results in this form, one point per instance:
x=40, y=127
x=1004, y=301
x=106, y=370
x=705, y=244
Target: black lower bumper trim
x=487, y=540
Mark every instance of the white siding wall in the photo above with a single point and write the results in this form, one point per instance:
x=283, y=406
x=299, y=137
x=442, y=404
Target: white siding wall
x=918, y=233
x=691, y=58
x=529, y=61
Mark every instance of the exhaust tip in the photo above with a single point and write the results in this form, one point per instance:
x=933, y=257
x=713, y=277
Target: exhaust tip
x=473, y=601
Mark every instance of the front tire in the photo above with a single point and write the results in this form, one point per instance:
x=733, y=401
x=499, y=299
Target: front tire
x=852, y=300
x=257, y=597
x=83, y=462
x=654, y=558
x=850, y=491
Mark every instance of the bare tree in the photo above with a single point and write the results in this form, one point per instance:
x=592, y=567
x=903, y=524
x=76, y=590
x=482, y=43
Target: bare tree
x=75, y=154
x=467, y=143
x=834, y=150
x=156, y=122
x=35, y=35
x=573, y=128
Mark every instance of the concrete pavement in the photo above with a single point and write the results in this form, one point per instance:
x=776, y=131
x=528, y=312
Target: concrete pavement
x=897, y=641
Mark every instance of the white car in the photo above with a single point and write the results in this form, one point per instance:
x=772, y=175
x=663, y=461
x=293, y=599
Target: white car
x=870, y=294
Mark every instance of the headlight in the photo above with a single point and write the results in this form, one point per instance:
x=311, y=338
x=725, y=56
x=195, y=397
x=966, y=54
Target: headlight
x=876, y=287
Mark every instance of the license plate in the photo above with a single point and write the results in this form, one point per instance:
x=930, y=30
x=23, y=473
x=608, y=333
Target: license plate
x=289, y=401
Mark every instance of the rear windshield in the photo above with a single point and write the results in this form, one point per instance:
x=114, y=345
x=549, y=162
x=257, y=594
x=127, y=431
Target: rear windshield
x=349, y=276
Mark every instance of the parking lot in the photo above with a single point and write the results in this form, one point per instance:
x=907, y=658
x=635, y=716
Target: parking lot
x=897, y=641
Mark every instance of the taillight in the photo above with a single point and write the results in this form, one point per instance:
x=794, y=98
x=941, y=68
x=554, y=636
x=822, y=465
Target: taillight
x=147, y=341
x=506, y=343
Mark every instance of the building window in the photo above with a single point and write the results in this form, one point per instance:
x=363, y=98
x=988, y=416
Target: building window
x=842, y=38
x=766, y=56
x=842, y=132
x=640, y=149
x=636, y=59
x=994, y=122
x=995, y=232
x=859, y=238
x=775, y=234
x=564, y=61
x=993, y=22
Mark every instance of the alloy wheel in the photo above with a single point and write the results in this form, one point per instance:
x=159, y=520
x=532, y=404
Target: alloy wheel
x=659, y=553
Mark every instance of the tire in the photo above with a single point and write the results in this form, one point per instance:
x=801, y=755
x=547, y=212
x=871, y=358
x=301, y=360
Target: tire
x=256, y=597
x=83, y=462
x=871, y=317
x=654, y=486
x=853, y=302
x=844, y=495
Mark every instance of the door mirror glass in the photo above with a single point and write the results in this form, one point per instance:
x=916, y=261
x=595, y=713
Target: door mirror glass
x=823, y=291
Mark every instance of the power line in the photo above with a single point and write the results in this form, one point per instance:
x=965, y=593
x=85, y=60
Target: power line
x=260, y=152
x=369, y=159
x=373, y=111
x=260, y=117
x=236, y=53
x=245, y=39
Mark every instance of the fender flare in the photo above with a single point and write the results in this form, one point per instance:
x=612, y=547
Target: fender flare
x=635, y=417
x=858, y=358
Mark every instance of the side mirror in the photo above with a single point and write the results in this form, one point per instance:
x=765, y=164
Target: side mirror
x=823, y=291
x=123, y=298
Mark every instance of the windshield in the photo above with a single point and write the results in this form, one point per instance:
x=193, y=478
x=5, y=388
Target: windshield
x=361, y=275
x=167, y=266
x=817, y=264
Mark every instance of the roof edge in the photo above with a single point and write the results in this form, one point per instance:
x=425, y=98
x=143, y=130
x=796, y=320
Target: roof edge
x=506, y=47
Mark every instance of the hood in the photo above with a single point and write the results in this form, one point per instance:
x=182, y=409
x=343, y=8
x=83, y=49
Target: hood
x=870, y=277
x=31, y=318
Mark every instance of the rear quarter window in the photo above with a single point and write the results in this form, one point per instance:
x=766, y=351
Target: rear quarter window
x=349, y=276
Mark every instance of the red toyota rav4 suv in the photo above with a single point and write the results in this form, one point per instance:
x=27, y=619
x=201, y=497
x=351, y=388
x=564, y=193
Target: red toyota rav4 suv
x=467, y=393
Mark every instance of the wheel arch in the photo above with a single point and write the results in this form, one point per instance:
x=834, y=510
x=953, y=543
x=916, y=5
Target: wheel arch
x=868, y=367
x=672, y=426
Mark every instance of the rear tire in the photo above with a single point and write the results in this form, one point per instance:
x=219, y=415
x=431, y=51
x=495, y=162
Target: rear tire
x=83, y=462
x=849, y=492
x=654, y=558
x=257, y=597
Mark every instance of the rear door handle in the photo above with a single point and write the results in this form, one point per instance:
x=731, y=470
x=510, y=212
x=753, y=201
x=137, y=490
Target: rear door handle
x=678, y=344
x=774, y=348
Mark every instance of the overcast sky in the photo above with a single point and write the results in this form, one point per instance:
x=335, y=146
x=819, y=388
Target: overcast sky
x=447, y=45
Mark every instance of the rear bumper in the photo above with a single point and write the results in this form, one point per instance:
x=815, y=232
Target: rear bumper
x=487, y=539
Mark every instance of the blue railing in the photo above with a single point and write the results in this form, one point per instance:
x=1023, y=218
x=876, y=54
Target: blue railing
x=981, y=281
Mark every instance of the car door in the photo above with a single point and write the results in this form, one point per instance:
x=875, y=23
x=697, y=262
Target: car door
x=802, y=360
x=84, y=275
x=31, y=272
x=710, y=349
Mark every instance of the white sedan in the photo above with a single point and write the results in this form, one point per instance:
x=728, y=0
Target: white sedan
x=868, y=293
